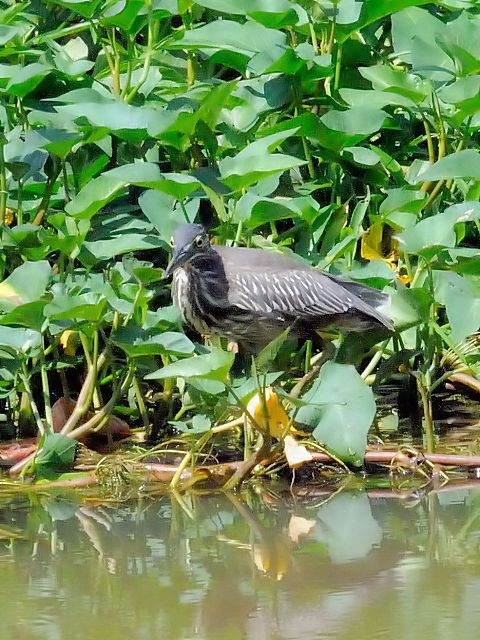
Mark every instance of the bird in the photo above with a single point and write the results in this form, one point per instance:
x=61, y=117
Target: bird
x=251, y=296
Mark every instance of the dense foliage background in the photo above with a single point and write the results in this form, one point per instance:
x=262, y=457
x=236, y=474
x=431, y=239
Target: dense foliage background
x=344, y=131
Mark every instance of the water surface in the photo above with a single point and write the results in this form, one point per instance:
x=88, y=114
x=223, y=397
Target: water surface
x=263, y=565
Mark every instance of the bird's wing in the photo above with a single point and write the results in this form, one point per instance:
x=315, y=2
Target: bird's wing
x=296, y=293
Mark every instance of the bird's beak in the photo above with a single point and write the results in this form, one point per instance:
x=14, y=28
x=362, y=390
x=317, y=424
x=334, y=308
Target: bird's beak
x=177, y=258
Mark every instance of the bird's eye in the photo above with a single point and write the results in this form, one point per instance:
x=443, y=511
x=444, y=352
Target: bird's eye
x=199, y=241
x=172, y=242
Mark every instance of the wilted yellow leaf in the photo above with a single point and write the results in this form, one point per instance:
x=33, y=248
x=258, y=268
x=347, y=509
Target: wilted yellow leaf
x=276, y=420
x=9, y=216
x=295, y=453
x=70, y=341
x=372, y=242
x=378, y=244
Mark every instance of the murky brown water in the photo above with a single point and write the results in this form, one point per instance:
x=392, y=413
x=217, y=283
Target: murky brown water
x=350, y=564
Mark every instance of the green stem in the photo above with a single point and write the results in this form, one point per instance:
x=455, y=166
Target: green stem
x=448, y=341
x=185, y=213
x=100, y=419
x=63, y=32
x=238, y=235
x=86, y=392
x=313, y=36
x=152, y=36
x=408, y=265
x=26, y=383
x=46, y=389
x=65, y=181
x=3, y=181
x=20, y=203
x=140, y=402
x=427, y=413
x=446, y=376
x=416, y=277
x=128, y=79
x=116, y=62
x=338, y=67
x=129, y=316
x=42, y=209
x=372, y=364
x=188, y=457
x=308, y=356
x=308, y=157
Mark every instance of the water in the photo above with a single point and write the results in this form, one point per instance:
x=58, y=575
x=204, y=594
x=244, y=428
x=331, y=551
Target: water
x=265, y=565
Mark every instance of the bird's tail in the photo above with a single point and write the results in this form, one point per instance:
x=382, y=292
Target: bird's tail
x=373, y=298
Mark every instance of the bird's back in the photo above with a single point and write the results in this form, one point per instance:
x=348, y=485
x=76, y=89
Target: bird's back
x=271, y=283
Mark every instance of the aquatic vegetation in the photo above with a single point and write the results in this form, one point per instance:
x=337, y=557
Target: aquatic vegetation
x=343, y=132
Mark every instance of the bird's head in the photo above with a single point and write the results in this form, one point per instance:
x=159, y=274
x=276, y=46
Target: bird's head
x=189, y=242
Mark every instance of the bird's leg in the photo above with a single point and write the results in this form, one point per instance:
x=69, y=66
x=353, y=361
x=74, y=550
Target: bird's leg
x=328, y=353
x=309, y=377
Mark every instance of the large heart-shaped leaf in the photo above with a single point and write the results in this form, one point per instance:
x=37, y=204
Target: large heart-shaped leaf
x=341, y=410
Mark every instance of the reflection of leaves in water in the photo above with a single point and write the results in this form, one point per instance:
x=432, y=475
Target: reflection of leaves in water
x=347, y=526
x=198, y=578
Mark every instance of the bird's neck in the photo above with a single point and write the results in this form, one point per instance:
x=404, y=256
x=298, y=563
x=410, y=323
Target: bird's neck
x=207, y=271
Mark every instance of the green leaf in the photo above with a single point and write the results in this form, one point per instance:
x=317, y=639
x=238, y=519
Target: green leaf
x=26, y=79
x=57, y=455
x=137, y=342
x=256, y=161
x=277, y=14
x=355, y=121
x=119, y=117
x=26, y=315
x=430, y=235
x=213, y=366
x=402, y=199
x=458, y=294
x=463, y=164
x=18, y=340
x=268, y=354
x=342, y=422
x=415, y=35
x=27, y=283
x=86, y=306
x=246, y=39
x=244, y=390
x=94, y=195
x=409, y=307
x=200, y=424
x=384, y=78
x=117, y=233
x=361, y=156
x=86, y=8
x=103, y=189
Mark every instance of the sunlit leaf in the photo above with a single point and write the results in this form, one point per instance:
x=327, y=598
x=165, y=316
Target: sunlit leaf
x=214, y=365
x=25, y=284
x=458, y=293
x=137, y=342
x=463, y=164
x=341, y=411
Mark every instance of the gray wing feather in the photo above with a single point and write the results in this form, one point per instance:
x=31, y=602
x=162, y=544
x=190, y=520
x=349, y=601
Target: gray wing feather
x=288, y=292
x=282, y=287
